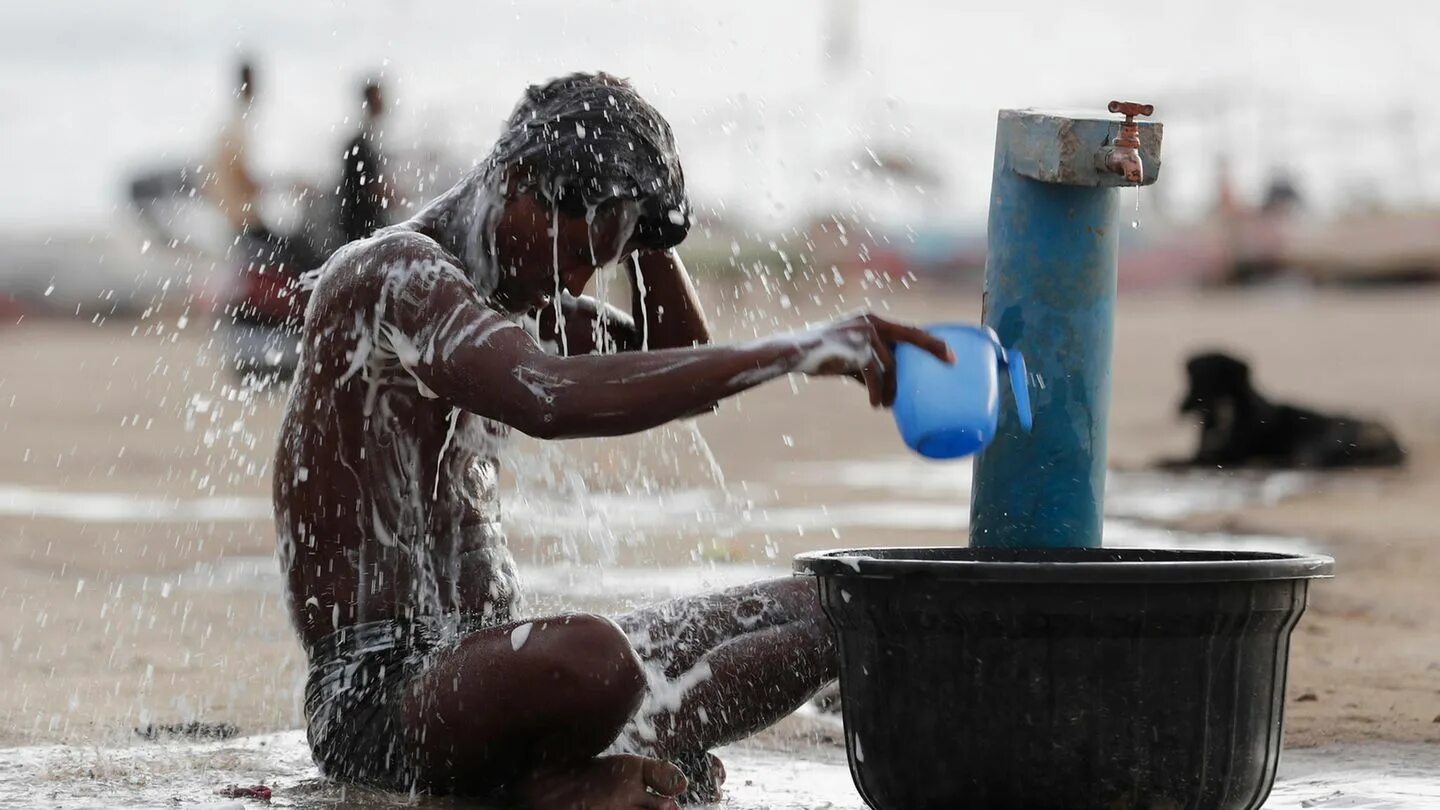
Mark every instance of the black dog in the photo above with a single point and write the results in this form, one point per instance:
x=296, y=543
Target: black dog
x=1239, y=427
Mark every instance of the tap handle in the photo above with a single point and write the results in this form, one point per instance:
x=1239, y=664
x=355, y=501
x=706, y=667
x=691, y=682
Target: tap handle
x=1130, y=109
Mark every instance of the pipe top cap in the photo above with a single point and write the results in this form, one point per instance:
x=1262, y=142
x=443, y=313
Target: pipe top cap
x=1060, y=147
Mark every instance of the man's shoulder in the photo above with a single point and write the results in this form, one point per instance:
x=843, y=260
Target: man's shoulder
x=393, y=258
x=403, y=242
x=393, y=248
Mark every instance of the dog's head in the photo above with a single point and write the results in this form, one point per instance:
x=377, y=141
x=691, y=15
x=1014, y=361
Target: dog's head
x=1215, y=378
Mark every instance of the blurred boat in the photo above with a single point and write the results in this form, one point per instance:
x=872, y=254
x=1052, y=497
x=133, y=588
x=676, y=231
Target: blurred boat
x=261, y=302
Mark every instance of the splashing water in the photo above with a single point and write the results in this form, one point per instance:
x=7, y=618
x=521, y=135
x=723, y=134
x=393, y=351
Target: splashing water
x=702, y=449
x=643, y=314
x=560, y=335
x=582, y=502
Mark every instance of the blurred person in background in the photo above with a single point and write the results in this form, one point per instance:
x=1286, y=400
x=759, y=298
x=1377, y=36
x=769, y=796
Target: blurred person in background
x=265, y=300
x=366, y=194
x=231, y=187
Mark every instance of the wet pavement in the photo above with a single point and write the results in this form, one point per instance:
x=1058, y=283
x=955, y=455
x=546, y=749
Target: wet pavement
x=181, y=775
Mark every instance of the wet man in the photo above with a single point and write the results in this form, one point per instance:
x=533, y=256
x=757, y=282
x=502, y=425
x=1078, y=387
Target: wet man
x=426, y=673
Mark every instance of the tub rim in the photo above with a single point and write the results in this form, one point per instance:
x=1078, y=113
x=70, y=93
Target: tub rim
x=1066, y=565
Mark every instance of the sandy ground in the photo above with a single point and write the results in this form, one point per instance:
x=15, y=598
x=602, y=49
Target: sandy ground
x=116, y=616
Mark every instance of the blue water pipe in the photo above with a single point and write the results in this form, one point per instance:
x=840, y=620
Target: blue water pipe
x=1050, y=292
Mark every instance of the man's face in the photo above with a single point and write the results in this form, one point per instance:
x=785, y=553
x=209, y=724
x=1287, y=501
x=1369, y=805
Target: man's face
x=534, y=261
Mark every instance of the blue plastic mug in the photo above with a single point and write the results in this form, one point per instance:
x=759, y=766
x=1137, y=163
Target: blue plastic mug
x=949, y=411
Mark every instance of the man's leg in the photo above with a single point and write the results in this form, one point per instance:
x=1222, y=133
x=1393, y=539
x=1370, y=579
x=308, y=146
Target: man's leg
x=530, y=706
x=720, y=667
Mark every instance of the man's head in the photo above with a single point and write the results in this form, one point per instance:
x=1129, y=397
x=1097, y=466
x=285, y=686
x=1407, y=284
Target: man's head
x=1215, y=378
x=372, y=99
x=586, y=156
x=246, y=88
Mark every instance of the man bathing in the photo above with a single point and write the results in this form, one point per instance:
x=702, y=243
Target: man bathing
x=426, y=673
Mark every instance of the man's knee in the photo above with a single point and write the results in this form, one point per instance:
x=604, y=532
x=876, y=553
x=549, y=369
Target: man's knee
x=589, y=660
x=800, y=598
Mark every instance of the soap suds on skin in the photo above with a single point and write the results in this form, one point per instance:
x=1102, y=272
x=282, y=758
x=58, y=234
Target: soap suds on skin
x=663, y=695
x=440, y=460
x=520, y=635
x=818, y=348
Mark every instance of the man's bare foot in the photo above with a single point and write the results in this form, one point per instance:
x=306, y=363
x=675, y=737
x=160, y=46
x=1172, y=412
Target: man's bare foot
x=620, y=782
x=705, y=773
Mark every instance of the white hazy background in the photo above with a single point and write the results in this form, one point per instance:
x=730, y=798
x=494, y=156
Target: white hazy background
x=771, y=130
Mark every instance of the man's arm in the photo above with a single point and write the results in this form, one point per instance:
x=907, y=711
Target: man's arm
x=468, y=354
x=586, y=319
x=667, y=310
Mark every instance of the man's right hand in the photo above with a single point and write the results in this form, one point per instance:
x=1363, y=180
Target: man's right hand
x=863, y=347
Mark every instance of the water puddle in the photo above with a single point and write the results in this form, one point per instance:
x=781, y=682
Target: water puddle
x=1373, y=776
x=548, y=588
x=128, y=507
x=187, y=775
x=1145, y=495
x=897, y=494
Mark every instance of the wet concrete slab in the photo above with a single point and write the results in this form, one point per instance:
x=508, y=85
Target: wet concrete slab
x=187, y=775
x=1371, y=776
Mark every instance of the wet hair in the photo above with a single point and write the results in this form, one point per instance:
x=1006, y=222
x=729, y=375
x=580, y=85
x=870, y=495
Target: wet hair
x=587, y=139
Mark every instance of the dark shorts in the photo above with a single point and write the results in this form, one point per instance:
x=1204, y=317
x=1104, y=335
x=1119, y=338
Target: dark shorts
x=354, y=694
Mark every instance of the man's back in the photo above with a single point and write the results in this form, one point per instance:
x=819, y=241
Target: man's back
x=385, y=495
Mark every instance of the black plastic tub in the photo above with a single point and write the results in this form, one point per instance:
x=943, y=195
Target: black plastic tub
x=1064, y=678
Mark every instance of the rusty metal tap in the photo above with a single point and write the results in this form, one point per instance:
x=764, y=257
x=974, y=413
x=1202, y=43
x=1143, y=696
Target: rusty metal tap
x=1123, y=156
